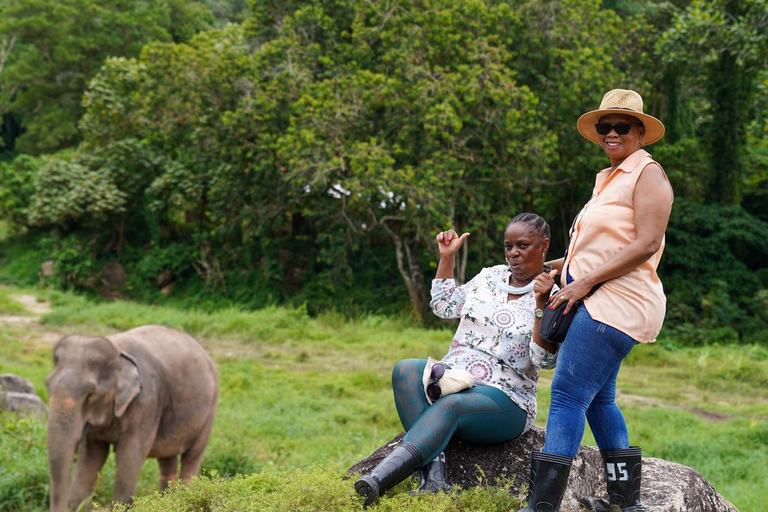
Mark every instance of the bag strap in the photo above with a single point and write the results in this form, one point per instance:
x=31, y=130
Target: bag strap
x=593, y=290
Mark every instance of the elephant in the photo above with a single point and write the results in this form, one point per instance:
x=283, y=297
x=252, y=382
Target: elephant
x=150, y=392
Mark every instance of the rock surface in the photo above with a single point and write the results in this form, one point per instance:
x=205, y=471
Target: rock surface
x=48, y=269
x=16, y=384
x=113, y=275
x=17, y=394
x=25, y=404
x=667, y=486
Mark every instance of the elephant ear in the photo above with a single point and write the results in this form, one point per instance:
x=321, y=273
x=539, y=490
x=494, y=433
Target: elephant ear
x=128, y=383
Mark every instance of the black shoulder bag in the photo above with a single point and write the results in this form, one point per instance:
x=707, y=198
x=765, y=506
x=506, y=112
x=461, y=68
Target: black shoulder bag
x=554, y=325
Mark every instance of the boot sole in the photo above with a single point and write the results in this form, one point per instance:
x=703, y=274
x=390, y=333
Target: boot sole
x=368, y=492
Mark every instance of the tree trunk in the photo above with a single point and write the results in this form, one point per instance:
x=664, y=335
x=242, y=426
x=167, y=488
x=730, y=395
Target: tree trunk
x=460, y=272
x=729, y=94
x=672, y=119
x=410, y=271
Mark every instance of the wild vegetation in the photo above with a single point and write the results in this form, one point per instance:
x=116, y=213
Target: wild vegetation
x=303, y=399
x=306, y=152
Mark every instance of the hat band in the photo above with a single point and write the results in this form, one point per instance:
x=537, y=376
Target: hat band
x=620, y=108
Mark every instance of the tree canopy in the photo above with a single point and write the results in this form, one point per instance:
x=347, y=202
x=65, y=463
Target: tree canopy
x=311, y=152
x=50, y=50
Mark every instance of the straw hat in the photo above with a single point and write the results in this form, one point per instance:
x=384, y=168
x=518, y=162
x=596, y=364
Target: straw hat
x=620, y=101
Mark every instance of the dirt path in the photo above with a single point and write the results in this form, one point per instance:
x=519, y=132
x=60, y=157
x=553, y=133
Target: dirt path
x=32, y=305
x=645, y=401
x=30, y=324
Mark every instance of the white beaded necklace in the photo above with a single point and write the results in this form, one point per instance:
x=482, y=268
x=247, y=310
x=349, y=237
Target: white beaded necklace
x=515, y=290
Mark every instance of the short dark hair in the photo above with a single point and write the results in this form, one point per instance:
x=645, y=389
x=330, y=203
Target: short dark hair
x=536, y=222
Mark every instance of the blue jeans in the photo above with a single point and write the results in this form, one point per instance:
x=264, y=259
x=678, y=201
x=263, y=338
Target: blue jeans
x=482, y=414
x=584, y=386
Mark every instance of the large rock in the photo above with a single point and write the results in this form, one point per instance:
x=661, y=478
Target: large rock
x=17, y=394
x=113, y=275
x=25, y=404
x=48, y=268
x=16, y=384
x=667, y=486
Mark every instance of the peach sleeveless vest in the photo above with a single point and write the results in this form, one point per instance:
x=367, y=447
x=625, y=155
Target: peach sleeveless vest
x=635, y=302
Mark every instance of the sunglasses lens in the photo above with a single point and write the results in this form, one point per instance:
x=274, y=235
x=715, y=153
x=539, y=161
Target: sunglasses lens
x=605, y=128
x=434, y=392
x=433, y=389
x=622, y=128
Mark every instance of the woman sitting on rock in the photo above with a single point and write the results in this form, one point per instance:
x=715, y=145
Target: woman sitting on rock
x=484, y=389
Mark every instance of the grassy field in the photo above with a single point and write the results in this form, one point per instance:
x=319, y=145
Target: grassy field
x=302, y=399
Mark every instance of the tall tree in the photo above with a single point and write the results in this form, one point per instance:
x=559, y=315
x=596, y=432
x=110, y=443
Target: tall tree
x=424, y=116
x=730, y=37
x=49, y=51
x=359, y=120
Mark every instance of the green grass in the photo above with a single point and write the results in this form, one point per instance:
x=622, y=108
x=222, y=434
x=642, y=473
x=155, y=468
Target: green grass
x=24, y=471
x=302, y=399
x=9, y=306
x=317, y=488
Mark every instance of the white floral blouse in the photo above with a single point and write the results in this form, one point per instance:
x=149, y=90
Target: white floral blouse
x=494, y=333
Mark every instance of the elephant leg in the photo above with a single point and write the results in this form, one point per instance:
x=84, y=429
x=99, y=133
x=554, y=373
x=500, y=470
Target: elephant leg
x=169, y=470
x=192, y=459
x=90, y=460
x=129, y=458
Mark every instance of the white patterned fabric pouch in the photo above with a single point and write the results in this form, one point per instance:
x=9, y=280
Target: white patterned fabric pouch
x=439, y=382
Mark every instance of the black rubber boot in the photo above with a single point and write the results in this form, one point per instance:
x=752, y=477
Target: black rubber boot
x=549, y=478
x=433, y=477
x=396, y=467
x=622, y=471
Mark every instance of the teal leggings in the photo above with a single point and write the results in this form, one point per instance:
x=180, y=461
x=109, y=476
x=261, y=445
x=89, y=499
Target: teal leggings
x=482, y=414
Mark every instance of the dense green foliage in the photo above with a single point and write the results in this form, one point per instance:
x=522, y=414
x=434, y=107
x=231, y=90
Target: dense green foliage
x=49, y=52
x=302, y=399
x=308, y=153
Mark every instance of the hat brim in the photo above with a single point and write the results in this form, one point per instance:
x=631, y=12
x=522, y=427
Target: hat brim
x=654, y=129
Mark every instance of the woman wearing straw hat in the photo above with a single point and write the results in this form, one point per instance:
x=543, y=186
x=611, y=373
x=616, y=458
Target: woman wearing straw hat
x=617, y=239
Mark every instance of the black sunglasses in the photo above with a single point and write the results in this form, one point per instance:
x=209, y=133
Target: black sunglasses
x=621, y=128
x=433, y=389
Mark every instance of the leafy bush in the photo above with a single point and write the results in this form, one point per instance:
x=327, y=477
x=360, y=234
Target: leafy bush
x=17, y=178
x=74, y=262
x=69, y=193
x=319, y=488
x=711, y=270
x=21, y=258
x=175, y=257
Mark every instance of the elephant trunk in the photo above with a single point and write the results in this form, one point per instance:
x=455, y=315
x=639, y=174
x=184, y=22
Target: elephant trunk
x=64, y=432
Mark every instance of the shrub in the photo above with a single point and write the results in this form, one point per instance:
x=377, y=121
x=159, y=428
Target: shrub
x=711, y=270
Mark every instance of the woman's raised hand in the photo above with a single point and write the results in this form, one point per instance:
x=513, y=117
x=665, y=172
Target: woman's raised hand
x=449, y=242
x=543, y=286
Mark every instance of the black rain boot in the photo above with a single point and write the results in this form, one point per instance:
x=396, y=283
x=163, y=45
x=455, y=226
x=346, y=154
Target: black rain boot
x=433, y=477
x=622, y=471
x=549, y=478
x=396, y=467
